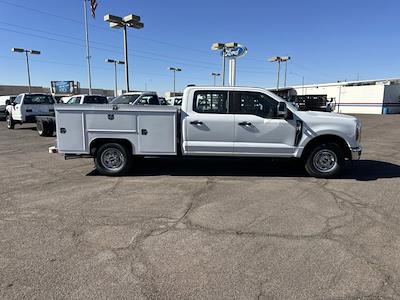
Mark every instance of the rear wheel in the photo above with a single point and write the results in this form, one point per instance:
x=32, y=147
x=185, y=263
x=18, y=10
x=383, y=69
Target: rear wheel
x=324, y=161
x=10, y=122
x=44, y=128
x=41, y=128
x=112, y=159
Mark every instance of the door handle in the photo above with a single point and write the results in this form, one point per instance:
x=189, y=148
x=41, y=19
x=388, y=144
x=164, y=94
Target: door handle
x=245, y=124
x=196, y=123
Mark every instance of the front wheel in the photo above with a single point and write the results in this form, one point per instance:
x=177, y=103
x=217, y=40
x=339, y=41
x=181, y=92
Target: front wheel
x=10, y=122
x=112, y=159
x=324, y=161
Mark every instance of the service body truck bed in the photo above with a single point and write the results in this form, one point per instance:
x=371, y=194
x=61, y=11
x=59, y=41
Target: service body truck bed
x=152, y=129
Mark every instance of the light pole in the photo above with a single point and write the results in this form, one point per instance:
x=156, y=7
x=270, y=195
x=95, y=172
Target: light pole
x=175, y=70
x=128, y=21
x=279, y=60
x=222, y=47
x=215, y=77
x=35, y=52
x=115, y=62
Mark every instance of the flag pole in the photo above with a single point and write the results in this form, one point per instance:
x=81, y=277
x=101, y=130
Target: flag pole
x=87, y=47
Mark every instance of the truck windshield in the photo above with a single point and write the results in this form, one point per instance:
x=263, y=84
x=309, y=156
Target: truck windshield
x=125, y=99
x=38, y=99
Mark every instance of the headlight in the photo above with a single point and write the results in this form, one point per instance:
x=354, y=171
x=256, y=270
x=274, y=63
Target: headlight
x=358, y=132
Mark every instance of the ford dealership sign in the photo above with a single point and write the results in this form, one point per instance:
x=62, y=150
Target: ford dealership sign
x=238, y=51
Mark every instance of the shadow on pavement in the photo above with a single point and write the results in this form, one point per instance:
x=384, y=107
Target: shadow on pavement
x=363, y=170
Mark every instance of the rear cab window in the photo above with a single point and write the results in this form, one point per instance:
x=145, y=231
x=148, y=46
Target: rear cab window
x=95, y=100
x=38, y=99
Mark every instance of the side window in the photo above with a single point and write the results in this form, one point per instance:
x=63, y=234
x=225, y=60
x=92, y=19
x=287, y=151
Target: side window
x=95, y=100
x=211, y=102
x=74, y=100
x=18, y=99
x=253, y=103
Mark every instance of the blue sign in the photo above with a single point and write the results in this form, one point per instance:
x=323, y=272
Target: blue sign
x=238, y=51
x=62, y=87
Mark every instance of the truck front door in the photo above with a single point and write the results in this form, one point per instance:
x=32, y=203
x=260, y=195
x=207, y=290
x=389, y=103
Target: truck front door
x=258, y=130
x=16, y=109
x=208, y=127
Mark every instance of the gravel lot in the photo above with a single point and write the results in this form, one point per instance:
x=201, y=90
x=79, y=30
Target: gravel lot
x=199, y=229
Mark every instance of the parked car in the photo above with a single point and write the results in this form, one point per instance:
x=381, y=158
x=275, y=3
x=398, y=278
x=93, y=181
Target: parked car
x=163, y=101
x=26, y=107
x=213, y=121
x=88, y=99
x=64, y=99
x=175, y=101
x=4, y=101
x=137, y=98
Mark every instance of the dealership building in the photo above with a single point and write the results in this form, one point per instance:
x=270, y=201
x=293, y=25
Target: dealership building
x=355, y=97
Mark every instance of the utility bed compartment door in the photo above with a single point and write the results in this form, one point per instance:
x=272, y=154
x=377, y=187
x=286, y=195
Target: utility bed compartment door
x=157, y=133
x=70, y=133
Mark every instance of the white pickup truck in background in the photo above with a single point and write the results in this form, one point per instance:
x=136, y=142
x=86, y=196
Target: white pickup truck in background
x=26, y=107
x=213, y=121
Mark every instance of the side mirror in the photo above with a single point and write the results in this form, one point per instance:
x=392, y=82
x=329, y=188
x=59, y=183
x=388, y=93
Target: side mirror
x=8, y=102
x=282, y=110
x=13, y=103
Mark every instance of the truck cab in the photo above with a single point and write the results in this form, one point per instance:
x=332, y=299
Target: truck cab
x=26, y=107
x=138, y=98
x=87, y=99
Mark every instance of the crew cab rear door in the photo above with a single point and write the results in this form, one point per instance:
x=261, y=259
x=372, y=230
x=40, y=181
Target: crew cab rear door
x=208, y=127
x=258, y=130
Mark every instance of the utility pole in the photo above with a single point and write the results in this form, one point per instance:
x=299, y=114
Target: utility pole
x=215, y=75
x=279, y=60
x=87, y=48
x=27, y=52
x=175, y=70
x=115, y=62
x=132, y=21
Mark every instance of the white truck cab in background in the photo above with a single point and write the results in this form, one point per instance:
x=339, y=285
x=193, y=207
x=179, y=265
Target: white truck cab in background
x=87, y=99
x=212, y=121
x=26, y=107
x=137, y=98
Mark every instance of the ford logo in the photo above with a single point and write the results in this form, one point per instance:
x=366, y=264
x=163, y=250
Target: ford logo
x=236, y=52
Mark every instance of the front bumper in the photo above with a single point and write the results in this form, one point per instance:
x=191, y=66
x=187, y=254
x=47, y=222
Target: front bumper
x=356, y=153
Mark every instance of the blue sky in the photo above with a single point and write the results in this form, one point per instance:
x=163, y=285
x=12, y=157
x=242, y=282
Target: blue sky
x=327, y=40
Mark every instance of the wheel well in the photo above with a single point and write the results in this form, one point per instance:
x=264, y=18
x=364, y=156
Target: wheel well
x=327, y=139
x=95, y=144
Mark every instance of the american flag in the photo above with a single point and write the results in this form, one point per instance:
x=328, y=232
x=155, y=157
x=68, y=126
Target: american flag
x=93, y=6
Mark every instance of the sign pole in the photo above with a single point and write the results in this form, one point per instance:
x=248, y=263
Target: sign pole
x=87, y=48
x=223, y=66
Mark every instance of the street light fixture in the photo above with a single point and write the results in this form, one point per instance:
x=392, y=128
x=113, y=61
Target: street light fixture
x=215, y=77
x=131, y=21
x=34, y=52
x=279, y=60
x=175, y=70
x=223, y=47
x=115, y=62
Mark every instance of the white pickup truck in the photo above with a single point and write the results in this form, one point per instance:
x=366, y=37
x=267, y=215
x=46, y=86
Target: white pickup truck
x=27, y=107
x=213, y=121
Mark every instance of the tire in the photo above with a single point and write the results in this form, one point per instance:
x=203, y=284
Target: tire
x=112, y=159
x=325, y=161
x=41, y=129
x=44, y=128
x=10, y=122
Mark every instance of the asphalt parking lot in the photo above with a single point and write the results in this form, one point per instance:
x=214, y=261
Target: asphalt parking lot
x=202, y=229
